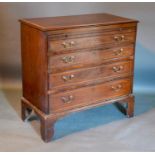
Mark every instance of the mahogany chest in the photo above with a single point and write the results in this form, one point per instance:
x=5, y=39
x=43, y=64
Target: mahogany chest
x=73, y=63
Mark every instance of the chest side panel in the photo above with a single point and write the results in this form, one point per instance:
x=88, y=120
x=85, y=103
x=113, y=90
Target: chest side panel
x=34, y=67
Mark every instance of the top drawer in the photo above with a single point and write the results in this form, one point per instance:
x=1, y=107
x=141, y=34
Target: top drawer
x=66, y=41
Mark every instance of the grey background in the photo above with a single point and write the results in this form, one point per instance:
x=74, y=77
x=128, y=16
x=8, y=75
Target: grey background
x=10, y=13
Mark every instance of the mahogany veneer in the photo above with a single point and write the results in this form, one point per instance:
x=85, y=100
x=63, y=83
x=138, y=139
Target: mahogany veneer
x=73, y=63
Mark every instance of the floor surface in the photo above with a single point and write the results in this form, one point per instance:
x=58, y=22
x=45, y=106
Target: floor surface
x=99, y=129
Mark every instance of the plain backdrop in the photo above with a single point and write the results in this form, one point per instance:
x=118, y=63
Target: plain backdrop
x=10, y=13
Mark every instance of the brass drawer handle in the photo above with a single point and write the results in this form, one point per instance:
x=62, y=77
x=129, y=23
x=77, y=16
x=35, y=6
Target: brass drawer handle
x=72, y=43
x=64, y=44
x=119, y=38
x=69, y=77
x=117, y=68
x=67, y=99
x=68, y=59
x=119, y=52
x=117, y=88
x=69, y=44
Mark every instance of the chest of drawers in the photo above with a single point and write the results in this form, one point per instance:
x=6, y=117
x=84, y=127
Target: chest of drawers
x=73, y=63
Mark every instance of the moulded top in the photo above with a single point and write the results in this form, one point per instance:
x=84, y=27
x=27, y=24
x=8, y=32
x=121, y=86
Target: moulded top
x=62, y=22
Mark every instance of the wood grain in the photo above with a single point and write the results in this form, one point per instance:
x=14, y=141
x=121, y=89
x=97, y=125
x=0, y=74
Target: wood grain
x=63, y=22
x=89, y=58
x=90, y=74
x=57, y=46
x=90, y=95
x=34, y=67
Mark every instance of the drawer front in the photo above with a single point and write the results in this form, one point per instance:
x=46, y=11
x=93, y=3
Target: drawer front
x=91, y=30
x=88, y=58
x=89, y=74
x=89, y=95
x=66, y=45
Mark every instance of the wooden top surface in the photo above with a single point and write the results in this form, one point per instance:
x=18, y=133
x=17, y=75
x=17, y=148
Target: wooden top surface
x=62, y=22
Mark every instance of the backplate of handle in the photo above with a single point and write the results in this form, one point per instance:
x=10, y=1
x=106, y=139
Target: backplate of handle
x=117, y=68
x=68, y=44
x=68, y=59
x=117, y=88
x=68, y=77
x=119, y=38
x=119, y=52
x=67, y=99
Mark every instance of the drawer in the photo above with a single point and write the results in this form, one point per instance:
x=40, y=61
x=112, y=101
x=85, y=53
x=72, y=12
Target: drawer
x=89, y=95
x=75, y=44
x=89, y=74
x=76, y=60
x=90, y=30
